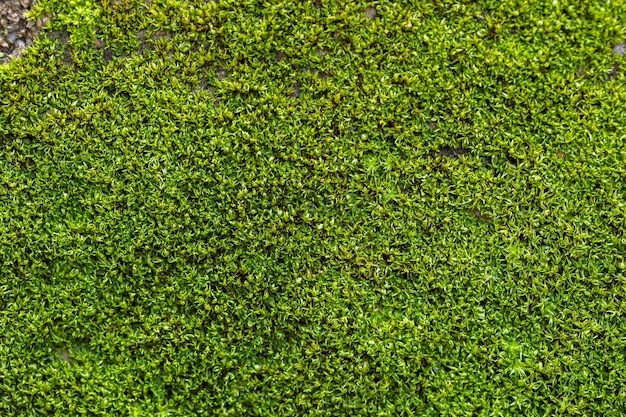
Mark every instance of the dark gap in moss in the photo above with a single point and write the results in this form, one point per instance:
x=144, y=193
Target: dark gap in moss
x=161, y=34
x=296, y=90
x=62, y=46
x=280, y=56
x=123, y=94
x=68, y=58
x=145, y=43
x=27, y=164
x=61, y=36
x=479, y=215
x=450, y=152
x=203, y=84
x=107, y=56
x=512, y=159
x=614, y=73
x=322, y=75
x=110, y=89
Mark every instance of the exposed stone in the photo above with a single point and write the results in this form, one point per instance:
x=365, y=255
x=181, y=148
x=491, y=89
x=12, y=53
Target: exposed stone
x=620, y=49
x=16, y=32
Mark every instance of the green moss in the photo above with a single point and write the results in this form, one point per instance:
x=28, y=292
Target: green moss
x=309, y=208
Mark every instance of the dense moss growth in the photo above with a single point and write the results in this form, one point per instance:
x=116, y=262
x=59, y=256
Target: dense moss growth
x=315, y=208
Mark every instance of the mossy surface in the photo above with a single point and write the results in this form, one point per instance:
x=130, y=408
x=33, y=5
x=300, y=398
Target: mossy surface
x=315, y=208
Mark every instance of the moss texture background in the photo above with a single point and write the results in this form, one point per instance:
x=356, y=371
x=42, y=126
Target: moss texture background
x=315, y=208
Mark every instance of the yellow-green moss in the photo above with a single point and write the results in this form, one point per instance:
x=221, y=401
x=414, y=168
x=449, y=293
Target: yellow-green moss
x=315, y=208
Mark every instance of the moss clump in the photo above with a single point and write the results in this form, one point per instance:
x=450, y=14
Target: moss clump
x=315, y=208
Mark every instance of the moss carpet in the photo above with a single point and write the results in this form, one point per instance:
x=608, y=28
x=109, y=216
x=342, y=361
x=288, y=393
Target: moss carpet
x=315, y=208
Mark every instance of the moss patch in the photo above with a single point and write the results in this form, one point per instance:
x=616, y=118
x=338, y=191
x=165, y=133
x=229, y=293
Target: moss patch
x=315, y=208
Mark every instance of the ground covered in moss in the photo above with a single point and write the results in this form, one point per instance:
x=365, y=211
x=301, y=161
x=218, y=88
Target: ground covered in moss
x=315, y=208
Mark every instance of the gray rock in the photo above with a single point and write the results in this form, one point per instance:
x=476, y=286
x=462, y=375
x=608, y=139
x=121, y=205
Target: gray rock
x=16, y=32
x=371, y=13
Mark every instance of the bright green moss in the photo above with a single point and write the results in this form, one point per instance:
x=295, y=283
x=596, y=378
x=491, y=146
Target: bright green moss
x=291, y=208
